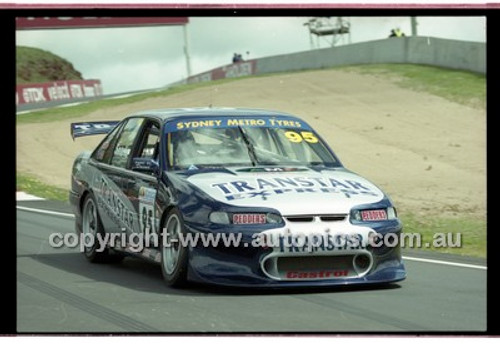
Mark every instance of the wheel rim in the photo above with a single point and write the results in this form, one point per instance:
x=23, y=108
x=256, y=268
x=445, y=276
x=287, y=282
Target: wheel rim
x=89, y=224
x=171, y=250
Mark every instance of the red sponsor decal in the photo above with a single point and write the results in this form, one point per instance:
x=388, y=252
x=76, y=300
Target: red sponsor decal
x=374, y=215
x=245, y=68
x=57, y=90
x=249, y=218
x=94, y=22
x=316, y=274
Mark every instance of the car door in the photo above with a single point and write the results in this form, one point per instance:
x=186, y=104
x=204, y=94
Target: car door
x=100, y=173
x=142, y=184
x=112, y=180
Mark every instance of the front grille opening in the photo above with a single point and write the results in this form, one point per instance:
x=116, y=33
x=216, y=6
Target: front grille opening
x=307, y=267
x=333, y=218
x=300, y=219
x=269, y=264
x=310, y=218
x=362, y=262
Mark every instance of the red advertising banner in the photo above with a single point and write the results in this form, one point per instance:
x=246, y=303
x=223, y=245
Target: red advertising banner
x=228, y=71
x=57, y=90
x=94, y=22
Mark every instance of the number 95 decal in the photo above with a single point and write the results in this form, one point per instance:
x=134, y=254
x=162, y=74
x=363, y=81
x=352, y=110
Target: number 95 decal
x=296, y=137
x=147, y=218
x=147, y=210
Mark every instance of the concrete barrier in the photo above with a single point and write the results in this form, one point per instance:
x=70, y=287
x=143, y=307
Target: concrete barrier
x=380, y=51
x=453, y=54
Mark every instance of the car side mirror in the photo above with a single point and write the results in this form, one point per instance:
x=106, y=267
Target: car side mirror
x=146, y=166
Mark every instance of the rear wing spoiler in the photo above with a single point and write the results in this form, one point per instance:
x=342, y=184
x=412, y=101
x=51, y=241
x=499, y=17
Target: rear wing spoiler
x=80, y=129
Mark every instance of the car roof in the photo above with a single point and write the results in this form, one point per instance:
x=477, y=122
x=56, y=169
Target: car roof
x=175, y=113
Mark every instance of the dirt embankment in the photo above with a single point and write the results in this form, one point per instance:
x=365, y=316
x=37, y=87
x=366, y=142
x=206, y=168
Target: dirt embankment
x=427, y=153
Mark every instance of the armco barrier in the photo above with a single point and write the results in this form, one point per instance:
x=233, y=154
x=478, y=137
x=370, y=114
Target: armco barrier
x=57, y=91
x=445, y=53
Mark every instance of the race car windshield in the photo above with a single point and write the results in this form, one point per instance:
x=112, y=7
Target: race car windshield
x=246, y=146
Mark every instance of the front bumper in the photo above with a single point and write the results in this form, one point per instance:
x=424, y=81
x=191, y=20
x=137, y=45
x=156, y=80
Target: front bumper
x=245, y=266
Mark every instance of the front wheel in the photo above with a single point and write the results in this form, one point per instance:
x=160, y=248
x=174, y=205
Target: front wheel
x=174, y=256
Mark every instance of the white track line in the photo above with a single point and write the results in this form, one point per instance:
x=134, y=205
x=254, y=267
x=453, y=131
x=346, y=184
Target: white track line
x=22, y=196
x=53, y=213
x=435, y=261
x=424, y=260
x=70, y=104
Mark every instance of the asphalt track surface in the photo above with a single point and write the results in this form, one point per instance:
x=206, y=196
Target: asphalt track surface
x=59, y=291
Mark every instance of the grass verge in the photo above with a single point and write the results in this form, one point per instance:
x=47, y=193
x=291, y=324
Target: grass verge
x=472, y=232
x=458, y=86
x=30, y=184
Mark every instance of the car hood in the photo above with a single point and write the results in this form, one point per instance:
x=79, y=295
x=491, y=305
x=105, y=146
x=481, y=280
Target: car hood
x=291, y=192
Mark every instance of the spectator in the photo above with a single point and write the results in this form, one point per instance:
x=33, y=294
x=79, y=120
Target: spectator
x=396, y=33
x=237, y=57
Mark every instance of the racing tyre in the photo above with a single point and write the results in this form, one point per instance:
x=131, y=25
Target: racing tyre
x=174, y=256
x=92, y=225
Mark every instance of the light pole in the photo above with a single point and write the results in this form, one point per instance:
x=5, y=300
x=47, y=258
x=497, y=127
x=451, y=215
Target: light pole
x=186, y=50
x=414, y=24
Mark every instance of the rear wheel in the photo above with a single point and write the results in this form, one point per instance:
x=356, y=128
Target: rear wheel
x=91, y=229
x=174, y=256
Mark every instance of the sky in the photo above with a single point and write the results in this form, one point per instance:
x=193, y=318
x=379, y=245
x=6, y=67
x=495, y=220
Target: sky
x=130, y=59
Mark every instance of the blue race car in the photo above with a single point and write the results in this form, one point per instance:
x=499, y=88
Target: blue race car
x=235, y=197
